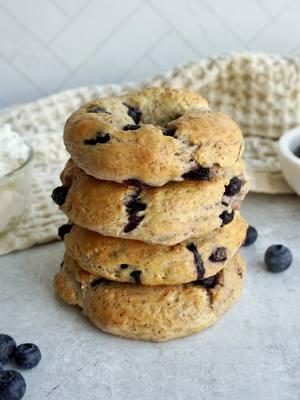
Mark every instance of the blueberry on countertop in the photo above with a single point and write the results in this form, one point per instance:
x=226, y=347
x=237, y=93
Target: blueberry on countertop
x=278, y=258
x=7, y=348
x=27, y=355
x=12, y=385
x=251, y=236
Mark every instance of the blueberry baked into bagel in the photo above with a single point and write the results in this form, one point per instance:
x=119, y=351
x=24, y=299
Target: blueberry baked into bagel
x=152, y=192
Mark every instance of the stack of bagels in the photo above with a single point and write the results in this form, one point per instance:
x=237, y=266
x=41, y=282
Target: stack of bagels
x=152, y=192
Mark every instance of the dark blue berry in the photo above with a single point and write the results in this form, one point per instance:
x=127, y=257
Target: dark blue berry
x=226, y=217
x=197, y=174
x=136, y=275
x=27, y=355
x=251, y=236
x=64, y=229
x=208, y=283
x=131, y=127
x=233, y=187
x=278, y=258
x=59, y=195
x=124, y=266
x=100, y=138
x=135, y=205
x=197, y=260
x=7, y=348
x=133, y=222
x=12, y=385
x=134, y=113
x=218, y=255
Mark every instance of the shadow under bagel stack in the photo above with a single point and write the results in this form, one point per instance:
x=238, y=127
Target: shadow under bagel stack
x=152, y=194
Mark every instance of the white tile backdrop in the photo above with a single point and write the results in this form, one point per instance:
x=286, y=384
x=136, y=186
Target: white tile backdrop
x=50, y=45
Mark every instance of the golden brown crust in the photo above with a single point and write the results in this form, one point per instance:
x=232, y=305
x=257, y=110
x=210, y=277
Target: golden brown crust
x=173, y=213
x=208, y=139
x=151, y=313
x=119, y=260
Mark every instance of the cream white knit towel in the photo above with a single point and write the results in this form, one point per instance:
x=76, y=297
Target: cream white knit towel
x=261, y=93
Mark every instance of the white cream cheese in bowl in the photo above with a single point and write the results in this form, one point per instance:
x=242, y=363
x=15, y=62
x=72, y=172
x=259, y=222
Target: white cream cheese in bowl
x=15, y=177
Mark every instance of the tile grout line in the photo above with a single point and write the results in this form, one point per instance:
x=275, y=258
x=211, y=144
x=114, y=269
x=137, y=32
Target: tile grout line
x=18, y=21
x=121, y=24
x=20, y=71
x=145, y=54
x=259, y=32
x=71, y=19
x=155, y=63
x=282, y=9
x=61, y=9
x=170, y=23
x=220, y=19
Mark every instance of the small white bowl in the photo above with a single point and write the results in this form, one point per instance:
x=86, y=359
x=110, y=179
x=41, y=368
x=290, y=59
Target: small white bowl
x=290, y=163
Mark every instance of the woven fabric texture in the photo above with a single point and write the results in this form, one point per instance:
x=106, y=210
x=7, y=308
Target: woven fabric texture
x=260, y=92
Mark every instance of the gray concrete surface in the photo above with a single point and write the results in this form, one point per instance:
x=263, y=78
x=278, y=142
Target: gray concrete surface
x=253, y=353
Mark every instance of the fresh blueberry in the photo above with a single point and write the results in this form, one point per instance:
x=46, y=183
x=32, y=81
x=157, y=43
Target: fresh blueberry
x=27, y=355
x=7, y=348
x=12, y=385
x=251, y=236
x=233, y=187
x=124, y=266
x=278, y=258
x=59, y=195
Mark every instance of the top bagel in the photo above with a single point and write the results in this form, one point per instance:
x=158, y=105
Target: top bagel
x=151, y=137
